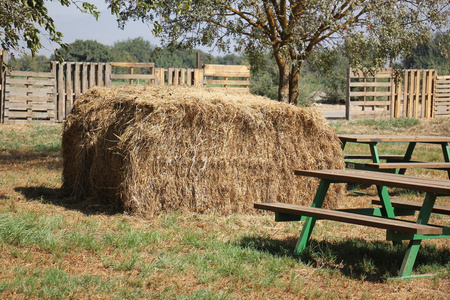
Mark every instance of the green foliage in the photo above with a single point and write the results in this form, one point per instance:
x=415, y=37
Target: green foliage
x=264, y=74
x=38, y=63
x=132, y=50
x=434, y=54
x=372, y=31
x=85, y=51
x=331, y=65
x=24, y=21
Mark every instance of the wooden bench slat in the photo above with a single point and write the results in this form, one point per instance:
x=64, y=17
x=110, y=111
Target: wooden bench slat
x=440, y=209
x=364, y=156
x=424, y=184
x=334, y=215
x=407, y=165
x=392, y=138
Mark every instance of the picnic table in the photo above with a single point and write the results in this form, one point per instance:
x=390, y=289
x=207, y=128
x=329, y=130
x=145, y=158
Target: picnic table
x=383, y=217
x=397, y=163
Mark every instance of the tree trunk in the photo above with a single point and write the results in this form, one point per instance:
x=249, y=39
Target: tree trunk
x=283, y=82
x=294, y=81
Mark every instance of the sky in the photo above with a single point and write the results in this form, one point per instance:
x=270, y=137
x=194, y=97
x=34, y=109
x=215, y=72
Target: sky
x=74, y=24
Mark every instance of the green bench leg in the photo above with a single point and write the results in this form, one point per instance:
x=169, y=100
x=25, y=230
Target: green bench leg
x=408, y=155
x=410, y=258
x=308, y=226
x=414, y=245
x=446, y=152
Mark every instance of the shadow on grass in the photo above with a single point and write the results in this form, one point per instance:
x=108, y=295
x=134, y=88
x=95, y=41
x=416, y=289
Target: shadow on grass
x=355, y=258
x=48, y=159
x=56, y=197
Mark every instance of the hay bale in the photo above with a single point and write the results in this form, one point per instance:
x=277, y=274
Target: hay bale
x=151, y=149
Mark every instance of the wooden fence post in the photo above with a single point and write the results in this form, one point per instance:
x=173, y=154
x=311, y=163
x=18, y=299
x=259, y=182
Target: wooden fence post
x=60, y=90
x=3, y=61
x=84, y=80
x=107, y=74
x=76, y=80
x=198, y=77
x=100, y=74
x=347, y=96
x=69, y=89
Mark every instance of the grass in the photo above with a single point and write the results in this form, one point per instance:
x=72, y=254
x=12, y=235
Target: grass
x=52, y=248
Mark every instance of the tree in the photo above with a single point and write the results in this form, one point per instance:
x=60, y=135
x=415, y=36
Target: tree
x=291, y=29
x=38, y=63
x=85, y=51
x=133, y=50
x=26, y=20
x=434, y=54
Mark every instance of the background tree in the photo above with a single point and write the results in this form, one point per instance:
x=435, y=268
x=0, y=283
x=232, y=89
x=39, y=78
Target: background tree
x=84, y=51
x=39, y=63
x=291, y=29
x=133, y=50
x=26, y=20
x=435, y=54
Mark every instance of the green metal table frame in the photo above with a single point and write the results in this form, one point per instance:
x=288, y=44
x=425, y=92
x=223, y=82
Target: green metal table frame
x=406, y=158
x=387, y=211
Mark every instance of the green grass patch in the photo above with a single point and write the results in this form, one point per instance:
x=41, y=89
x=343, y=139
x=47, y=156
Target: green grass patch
x=38, y=137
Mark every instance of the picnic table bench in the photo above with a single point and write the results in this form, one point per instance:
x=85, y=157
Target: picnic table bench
x=383, y=217
x=395, y=163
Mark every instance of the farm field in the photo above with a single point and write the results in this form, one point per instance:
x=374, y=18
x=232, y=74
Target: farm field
x=53, y=248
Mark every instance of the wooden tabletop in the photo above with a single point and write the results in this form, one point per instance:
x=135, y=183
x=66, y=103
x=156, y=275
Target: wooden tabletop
x=424, y=184
x=392, y=138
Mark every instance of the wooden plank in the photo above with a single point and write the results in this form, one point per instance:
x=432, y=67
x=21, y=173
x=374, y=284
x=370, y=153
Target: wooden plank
x=92, y=68
x=369, y=94
x=76, y=80
x=28, y=115
x=364, y=156
x=159, y=76
x=370, y=84
x=84, y=78
x=366, y=138
x=231, y=89
x=108, y=74
x=370, y=103
x=45, y=75
x=60, y=102
x=226, y=68
x=416, y=94
x=132, y=76
x=408, y=165
x=228, y=82
x=26, y=91
x=423, y=184
x=132, y=65
x=33, y=106
x=99, y=80
x=30, y=98
x=69, y=89
x=34, y=82
x=352, y=218
x=439, y=209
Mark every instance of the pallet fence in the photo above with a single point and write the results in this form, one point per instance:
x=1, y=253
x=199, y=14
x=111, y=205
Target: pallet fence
x=442, y=96
x=49, y=96
x=397, y=94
